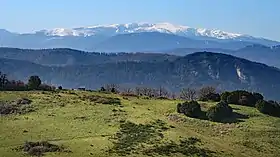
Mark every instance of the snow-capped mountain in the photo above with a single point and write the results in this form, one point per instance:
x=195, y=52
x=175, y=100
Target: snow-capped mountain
x=143, y=27
x=131, y=37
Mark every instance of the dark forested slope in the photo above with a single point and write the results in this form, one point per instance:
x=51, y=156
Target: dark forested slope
x=194, y=70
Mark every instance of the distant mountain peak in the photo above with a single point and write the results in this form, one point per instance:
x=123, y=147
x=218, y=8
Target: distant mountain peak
x=218, y=33
x=4, y=31
x=92, y=37
x=164, y=27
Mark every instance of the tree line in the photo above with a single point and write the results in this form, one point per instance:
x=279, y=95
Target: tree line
x=203, y=94
x=207, y=93
x=192, y=96
x=222, y=111
x=34, y=83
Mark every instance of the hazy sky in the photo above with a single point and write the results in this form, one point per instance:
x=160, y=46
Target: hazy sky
x=254, y=17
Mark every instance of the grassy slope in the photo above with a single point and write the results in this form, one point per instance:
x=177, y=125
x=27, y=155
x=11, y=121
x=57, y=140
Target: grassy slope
x=258, y=135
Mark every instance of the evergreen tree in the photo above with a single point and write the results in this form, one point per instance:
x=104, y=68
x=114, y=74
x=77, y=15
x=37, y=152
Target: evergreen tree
x=34, y=82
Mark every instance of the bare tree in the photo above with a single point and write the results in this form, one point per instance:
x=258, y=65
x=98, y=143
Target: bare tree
x=114, y=88
x=162, y=92
x=151, y=92
x=3, y=80
x=143, y=91
x=154, y=93
x=204, y=91
x=148, y=92
x=138, y=91
x=126, y=91
x=188, y=94
x=173, y=95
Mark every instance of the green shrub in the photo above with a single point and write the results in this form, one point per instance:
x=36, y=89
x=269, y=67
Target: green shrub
x=163, y=98
x=39, y=148
x=20, y=106
x=34, y=82
x=244, y=100
x=241, y=97
x=224, y=96
x=113, y=90
x=190, y=109
x=6, y=109
x=233, y=98
x=211, y=97
x=258, y=97
x=102, y=89
x=179, y=108
x=219, y=112
x=268, y=107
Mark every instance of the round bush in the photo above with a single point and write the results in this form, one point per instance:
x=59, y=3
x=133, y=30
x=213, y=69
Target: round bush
x=241, y=97
x=224, y=96
x=219, y=112
x=211, y=97
x=190, y=109
x=212, y=114
x=268, y=107
x=102, y=89
x=264, y=106
x=243, y=101
x=233, y=98
x=214, y=97
x=258, y=97
x=179, y=108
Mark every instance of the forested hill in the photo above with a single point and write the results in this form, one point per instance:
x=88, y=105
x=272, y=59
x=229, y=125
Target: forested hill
x=194, y=70
x=64, y=56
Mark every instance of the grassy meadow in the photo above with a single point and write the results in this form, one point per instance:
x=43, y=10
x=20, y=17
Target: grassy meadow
x=85, y=124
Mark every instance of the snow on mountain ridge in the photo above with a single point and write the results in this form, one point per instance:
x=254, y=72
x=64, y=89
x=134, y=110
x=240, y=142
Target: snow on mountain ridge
x=114, y=29
x=62, y=32
x=218, y=33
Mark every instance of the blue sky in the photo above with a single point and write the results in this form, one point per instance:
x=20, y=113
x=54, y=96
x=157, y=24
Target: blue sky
x=254, y=17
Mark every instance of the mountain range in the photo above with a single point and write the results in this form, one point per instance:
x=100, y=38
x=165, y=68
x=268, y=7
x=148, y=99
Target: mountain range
x=73, y=69
x=70, y=57
x=142, y=54
x=132, y=37
x=255, y=52
x=64, y=57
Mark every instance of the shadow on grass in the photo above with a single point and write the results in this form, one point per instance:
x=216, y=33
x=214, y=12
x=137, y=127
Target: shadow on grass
x=272, y=115
x=235, y=118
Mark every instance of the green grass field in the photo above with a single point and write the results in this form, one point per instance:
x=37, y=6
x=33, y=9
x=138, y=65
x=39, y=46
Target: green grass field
x=85, y=127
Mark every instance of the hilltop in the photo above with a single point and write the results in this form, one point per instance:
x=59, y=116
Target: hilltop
x=84, y=126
